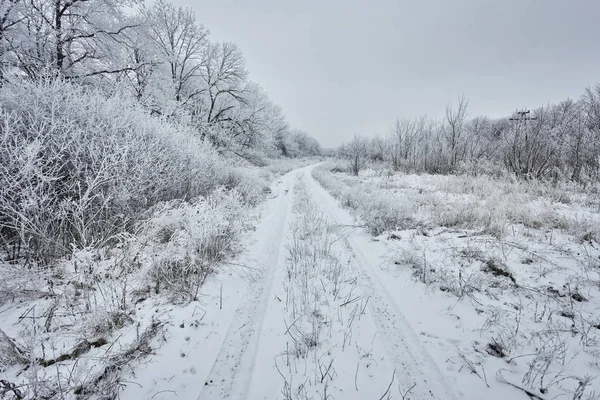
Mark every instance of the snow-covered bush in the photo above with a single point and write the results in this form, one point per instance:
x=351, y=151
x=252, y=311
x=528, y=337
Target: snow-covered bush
x=78, y=167
x=180, y=245
x=468, y=202
x=251, y=184
x=383, y=213
x=379, y=211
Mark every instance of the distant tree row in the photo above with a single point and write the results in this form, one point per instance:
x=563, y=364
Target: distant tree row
x=558, y=141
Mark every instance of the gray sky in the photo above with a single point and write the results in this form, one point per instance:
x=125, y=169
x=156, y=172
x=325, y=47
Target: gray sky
x=343, y=67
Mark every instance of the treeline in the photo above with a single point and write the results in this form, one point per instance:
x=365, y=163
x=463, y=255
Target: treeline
x=558, y=141
x=108, y=108
x=159, y=54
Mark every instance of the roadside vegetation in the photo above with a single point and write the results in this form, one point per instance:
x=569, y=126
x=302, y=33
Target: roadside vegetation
x=502, y=216
x=129, y=167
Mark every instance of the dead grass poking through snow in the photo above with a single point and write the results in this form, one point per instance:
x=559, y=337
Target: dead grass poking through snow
x=523, y=255
x=325, y=322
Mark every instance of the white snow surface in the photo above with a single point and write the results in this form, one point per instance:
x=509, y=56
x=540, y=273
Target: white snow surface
x=396, y=345
x=316, y=307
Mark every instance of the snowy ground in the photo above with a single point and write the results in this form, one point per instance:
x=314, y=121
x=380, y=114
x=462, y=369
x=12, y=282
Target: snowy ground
x=501, y=279
x=315, y=321
x=305, y=315
x=316, y=307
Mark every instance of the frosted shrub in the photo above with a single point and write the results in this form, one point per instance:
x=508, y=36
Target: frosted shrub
x=184, y=241
x=378, y=210
x=382, y=212
x=251, y=184
x=461, y=215
x=338, y=166
x=79, y=168
x=462, y=202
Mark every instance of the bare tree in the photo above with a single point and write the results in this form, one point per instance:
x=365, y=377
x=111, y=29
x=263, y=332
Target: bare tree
x=590, y=109
x=140, y=78
x=404, y=134
x=181, y=44
x=356, y=153
x=224, y=75
x=247, y=123
x=281, y=132
x=376, y=148
x=530, y=147
x=11, y=16
x=456, y=118
x=73, y=38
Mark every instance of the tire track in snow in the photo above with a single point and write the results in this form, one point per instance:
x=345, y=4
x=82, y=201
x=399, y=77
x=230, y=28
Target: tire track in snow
x=412, y=362
x=232, y=370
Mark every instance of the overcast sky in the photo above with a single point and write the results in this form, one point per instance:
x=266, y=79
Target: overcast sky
x=343, y=67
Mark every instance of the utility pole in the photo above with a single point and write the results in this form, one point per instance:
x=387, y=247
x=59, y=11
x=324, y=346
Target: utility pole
x=522, y=116
x=521, y=163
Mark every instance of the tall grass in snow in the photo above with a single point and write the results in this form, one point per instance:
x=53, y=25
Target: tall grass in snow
x=325, y=326
x=386, y=202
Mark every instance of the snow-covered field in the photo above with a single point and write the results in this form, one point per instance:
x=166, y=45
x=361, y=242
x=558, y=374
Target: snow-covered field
x=470, y=288
x=501, y=278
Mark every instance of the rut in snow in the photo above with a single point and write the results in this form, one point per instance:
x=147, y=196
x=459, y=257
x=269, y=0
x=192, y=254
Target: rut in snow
x=317, y=323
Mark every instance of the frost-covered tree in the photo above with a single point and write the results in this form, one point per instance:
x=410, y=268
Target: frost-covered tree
x=246, y=125
x=224, y=79
x=304, y=144
x=456, y=118
x=11, y=15
x=560, y=140
x=377, y=148
x=356, y=153
x=73, y=38
x=404, y=135
x=281, y=132
x=179, y=43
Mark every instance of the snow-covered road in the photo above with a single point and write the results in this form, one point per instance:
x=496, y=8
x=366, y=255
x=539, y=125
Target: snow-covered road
x=303, y=312
x=244, y=367
x=409, y=358
x=232, y=371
